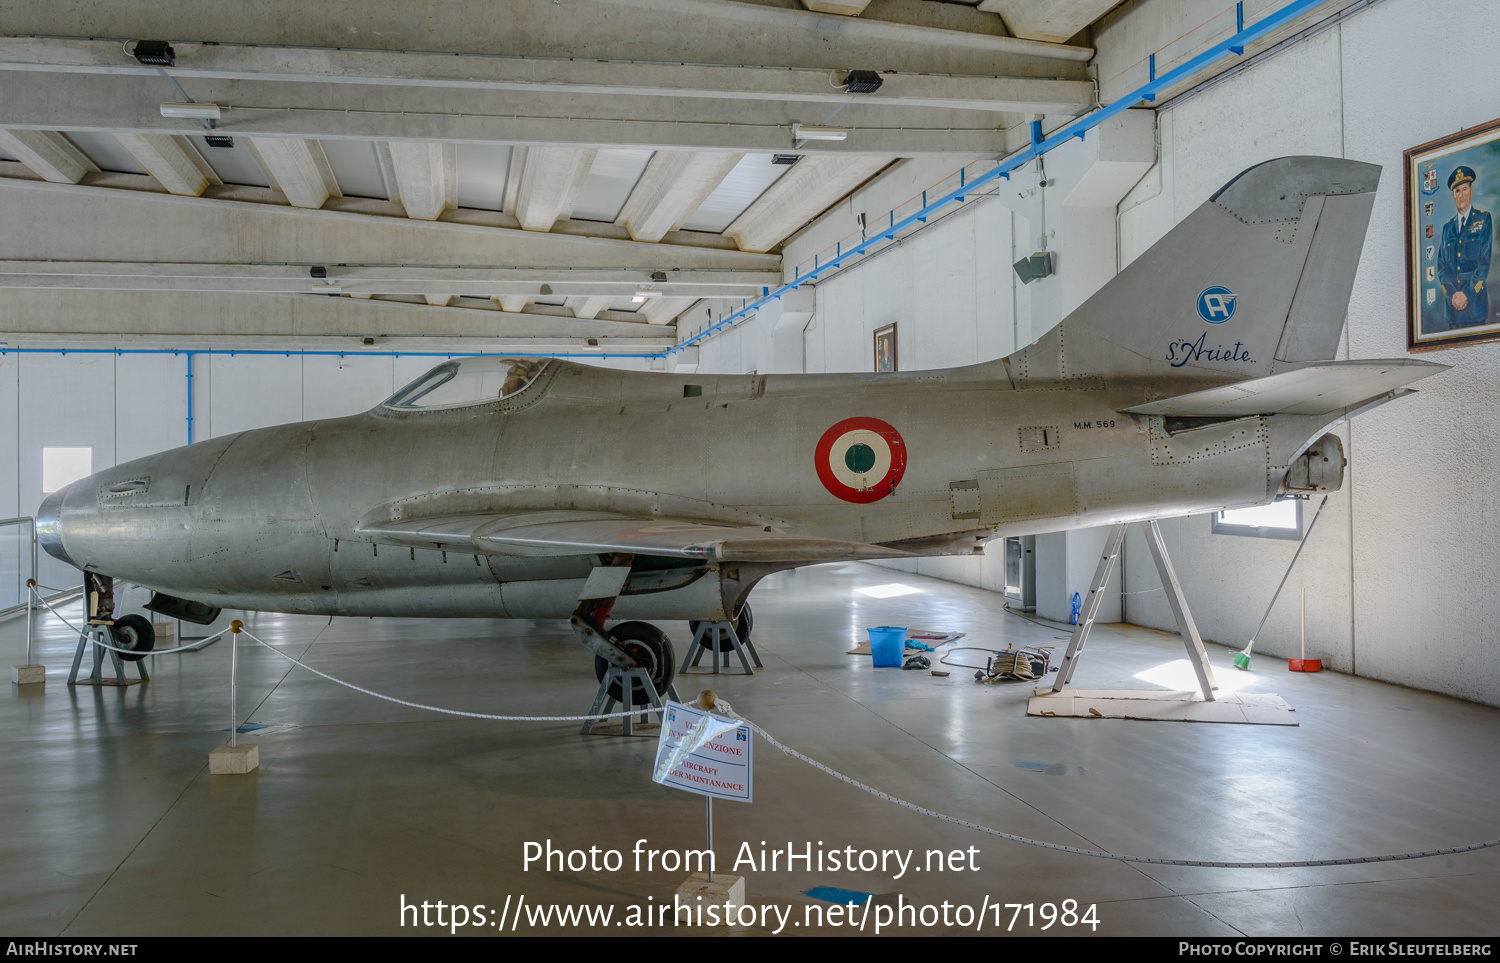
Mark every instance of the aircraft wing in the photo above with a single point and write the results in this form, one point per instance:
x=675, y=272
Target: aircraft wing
x=553, y=533
x=1317, y=389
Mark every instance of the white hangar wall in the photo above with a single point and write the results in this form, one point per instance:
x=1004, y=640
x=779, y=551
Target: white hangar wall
x=1398, y=574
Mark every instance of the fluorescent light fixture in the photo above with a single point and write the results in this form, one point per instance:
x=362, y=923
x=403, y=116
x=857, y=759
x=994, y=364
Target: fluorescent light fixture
x=804, y=132
x=643, y=295
x=327, y=289
x=191, y=111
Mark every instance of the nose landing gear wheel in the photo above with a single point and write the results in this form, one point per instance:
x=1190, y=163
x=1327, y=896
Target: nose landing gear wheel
x=135, y=633
x=719, y=639
x=651, y=650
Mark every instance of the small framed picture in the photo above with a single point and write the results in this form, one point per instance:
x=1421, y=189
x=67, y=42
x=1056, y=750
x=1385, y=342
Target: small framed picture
x=885, y=348
x=1452, y=186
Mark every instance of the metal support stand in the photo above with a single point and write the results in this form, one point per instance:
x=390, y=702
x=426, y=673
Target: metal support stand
x=1197, y=654
x=696, y=648
x=100, y=633
x=604, y=703
x=1193, y=642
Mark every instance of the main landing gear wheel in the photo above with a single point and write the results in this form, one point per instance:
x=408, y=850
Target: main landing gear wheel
x=719, y=639
x=135, y=633
x=651, y=650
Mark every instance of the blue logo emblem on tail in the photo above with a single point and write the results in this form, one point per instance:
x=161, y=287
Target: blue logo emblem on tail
x=1216, y=304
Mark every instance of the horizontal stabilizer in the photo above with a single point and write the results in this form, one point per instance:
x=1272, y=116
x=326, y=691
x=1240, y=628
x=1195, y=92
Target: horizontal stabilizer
x=1318, y=389
x=557, y=533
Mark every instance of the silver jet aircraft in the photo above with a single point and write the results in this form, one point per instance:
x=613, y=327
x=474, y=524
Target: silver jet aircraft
x=1199, y=378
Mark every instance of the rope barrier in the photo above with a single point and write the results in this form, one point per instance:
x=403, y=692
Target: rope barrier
x=878, y=794
x=451, y=712
x=197, y=644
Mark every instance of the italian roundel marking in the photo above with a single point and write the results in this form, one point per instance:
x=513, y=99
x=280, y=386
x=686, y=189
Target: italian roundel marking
x=860, y=460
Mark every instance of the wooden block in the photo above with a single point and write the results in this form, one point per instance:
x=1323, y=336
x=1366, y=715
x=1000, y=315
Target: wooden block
x=726, y=891
x=234, y=760
x=28, y=674
x=164, y=630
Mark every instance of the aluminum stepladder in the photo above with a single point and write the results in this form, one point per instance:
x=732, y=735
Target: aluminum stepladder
x=1197, y=654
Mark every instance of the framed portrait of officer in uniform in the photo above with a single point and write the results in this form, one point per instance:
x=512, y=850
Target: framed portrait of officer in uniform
x=885, y=348
x=1452, y=194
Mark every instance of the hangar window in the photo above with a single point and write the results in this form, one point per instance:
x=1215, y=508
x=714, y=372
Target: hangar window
x=468, y=381
x=64, y=466
x=1280, y=519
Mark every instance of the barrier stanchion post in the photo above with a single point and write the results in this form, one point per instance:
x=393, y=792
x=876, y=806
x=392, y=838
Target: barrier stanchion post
x=234, y=759
x=30, y=673
x=700, y=890
x=234, y=688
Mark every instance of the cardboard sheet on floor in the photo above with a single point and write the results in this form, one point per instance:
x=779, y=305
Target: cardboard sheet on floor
x=1245, y=708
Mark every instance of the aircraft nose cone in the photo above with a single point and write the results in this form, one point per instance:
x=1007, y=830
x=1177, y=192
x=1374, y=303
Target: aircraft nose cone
x=49, y=526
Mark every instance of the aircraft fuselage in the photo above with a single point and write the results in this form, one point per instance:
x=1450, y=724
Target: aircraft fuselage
x=271, y=519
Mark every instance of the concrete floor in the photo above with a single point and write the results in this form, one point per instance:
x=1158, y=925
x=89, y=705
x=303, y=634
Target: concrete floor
x=111, y=824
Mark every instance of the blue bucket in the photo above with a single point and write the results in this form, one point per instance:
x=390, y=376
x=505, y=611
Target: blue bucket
x=887, y=646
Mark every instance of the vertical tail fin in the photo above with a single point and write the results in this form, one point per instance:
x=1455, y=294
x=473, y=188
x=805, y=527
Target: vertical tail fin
x=1257, y=278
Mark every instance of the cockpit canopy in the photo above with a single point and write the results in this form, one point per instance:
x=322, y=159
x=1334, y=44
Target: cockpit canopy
x=468, y=381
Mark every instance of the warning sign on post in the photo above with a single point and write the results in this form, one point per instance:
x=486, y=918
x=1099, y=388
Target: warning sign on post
x=704, y=753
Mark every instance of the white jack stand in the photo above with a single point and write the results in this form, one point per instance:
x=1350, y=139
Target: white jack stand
x=605, y=702
x=87, y=640
x=234, y=759
x=597, y=597
x=712, y=630
x=1201, y=706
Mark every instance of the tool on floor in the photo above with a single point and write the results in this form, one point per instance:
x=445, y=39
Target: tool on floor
x=1242, y=658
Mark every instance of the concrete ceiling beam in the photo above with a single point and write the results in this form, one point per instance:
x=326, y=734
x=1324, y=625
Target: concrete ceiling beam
x=429, y=283
x=801, y=194
x=48, y=154
x=426, y=177
x=550, y=181
x=877, y=124
x=512, y=302
x=844, y=8
x=993, y=89
x=284, y=319
x=587, y=308
x=665, y=310
x=670, y=31
x=671, y=188
x=1052, y=21
x=297, y=168
x=172, y=160
x=67, y=222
